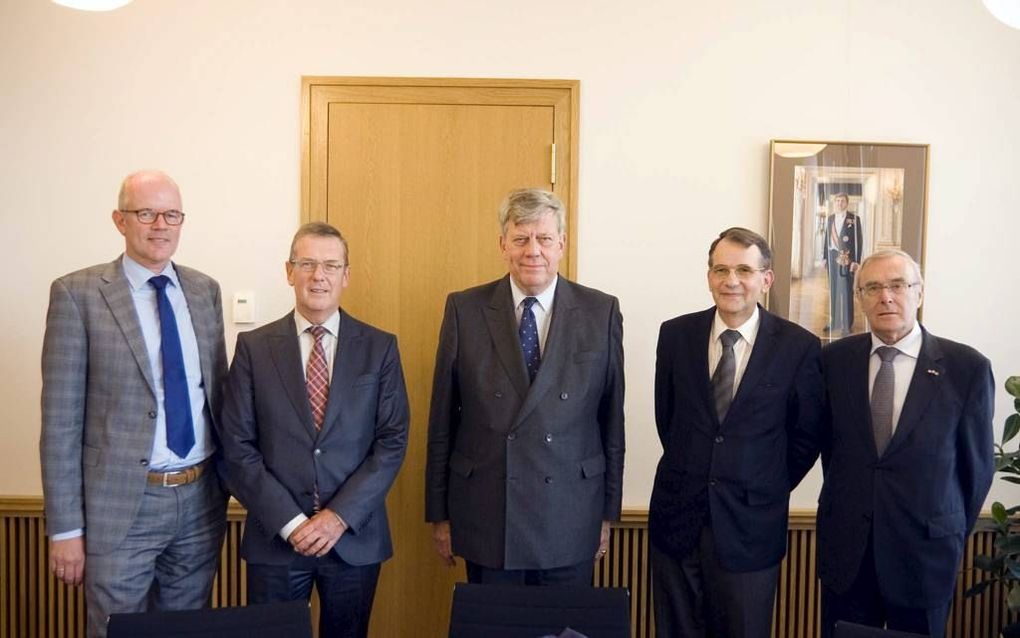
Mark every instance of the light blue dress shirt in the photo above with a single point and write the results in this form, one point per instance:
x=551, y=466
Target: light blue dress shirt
x=144, y=296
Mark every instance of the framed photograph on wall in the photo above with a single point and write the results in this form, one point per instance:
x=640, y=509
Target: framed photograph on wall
x=831, y=204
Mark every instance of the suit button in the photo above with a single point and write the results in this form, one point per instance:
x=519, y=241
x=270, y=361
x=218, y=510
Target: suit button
x=511, y=436
x=564, y=396
x=719, y=439
x=144, y=462
x=548, y=480
x=317, y=452
x=711, y=482
x=152, y=414
x=548, y=438
x=499, y=395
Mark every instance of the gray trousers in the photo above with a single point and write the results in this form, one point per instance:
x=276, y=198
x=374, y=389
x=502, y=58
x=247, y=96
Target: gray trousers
x=694, y=597
x=168, y=559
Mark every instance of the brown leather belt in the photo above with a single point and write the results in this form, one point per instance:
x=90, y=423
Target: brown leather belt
x=177, y=478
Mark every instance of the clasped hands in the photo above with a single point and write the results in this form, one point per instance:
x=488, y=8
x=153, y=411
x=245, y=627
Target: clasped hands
x=316, y=536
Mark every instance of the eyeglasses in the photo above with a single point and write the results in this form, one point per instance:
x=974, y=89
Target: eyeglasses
x=311, y=265
x=149, y=216
x=897, y=288
x=743, y=271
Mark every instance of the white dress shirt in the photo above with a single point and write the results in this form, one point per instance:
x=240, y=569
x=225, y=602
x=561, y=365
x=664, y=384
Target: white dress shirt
x=741, y=349
x=542, y=309
x=903, y=367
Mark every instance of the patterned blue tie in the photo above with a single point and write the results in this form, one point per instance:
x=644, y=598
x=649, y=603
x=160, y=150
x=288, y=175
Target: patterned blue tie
x=528, y=333
x=180, y=431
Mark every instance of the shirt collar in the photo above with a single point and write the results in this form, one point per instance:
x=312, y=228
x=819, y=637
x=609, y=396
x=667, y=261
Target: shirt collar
x=747, y=330
x=138, y=276
x=332, y=324
x=545, y=298
x=909, y=345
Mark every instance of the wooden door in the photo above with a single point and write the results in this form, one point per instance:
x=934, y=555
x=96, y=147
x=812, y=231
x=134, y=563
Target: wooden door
x=412, y=171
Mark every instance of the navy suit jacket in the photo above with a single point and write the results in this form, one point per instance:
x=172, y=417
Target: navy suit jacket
x=275, y=457
x=919, y=500
x=743, y=468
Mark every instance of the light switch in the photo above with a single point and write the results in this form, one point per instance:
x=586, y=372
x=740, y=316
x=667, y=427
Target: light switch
x=244, y=307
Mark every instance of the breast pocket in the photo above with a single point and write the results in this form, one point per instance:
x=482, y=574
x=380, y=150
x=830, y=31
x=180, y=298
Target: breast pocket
x=366, y=379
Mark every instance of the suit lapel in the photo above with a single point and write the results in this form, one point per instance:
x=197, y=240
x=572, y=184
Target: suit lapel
x=761, y=354
x=697, y=345
x=348, y=348
x=502, y=325
x=557, y=348
x=286, y=355
x=202, y=322
x=924, y=386
x=117, y=292
x=857, y=401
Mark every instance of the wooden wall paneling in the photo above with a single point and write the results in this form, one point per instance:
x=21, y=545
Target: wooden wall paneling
x=33, y=603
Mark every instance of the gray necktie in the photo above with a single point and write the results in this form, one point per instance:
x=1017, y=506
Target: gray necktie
x=882, y=398
x=725, y=374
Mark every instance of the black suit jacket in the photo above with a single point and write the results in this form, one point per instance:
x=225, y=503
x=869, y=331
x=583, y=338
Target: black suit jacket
x=526, y=473
x=275, y=456
x=919, y=500
x=740, y=470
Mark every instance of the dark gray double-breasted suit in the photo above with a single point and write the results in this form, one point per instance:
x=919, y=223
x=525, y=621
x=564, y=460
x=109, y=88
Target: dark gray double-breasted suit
x=526, y=473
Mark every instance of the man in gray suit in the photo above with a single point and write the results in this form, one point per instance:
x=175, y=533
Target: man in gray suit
x=132, y=363
x=526, y=440
x=314, y=431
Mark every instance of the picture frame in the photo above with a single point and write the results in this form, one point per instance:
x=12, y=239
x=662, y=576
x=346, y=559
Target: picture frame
x=831, y=204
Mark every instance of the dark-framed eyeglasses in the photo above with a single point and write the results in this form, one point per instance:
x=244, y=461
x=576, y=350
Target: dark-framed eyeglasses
x=311, y=265
x=149, y=216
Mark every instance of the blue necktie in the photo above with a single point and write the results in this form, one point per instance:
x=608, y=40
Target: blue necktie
x=528, y=333
x=180, y=431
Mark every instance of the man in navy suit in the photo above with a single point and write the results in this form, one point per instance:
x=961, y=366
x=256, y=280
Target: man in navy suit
x=738, y=392
x=314, y=429
x=907, y=457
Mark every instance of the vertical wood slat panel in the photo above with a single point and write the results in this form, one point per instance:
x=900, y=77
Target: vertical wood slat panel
x=34, y=603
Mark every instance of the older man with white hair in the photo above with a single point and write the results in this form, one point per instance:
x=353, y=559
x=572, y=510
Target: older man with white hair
x=907, y=458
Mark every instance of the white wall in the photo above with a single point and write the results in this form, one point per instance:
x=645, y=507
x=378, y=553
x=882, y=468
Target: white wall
x=679, y=101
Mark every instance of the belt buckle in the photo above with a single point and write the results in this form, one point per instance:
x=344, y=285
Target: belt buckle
x=167, y=475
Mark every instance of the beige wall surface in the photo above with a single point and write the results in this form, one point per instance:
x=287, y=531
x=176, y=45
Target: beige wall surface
x=679, y=101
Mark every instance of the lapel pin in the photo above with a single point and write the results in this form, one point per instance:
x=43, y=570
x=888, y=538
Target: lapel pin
x=933, y=371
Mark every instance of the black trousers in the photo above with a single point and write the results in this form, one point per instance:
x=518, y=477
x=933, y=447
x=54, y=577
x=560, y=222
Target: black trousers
x=862, y=603
x=345, y=591
x=571, y=575
x=695, y=597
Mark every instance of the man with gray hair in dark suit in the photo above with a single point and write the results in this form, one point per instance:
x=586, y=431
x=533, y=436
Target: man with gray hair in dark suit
x=132, y=365
x=526, y=441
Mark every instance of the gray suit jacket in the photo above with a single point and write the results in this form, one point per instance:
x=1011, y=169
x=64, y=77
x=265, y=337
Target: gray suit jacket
x=275, y=456
x=99, y=401
x=526, y=473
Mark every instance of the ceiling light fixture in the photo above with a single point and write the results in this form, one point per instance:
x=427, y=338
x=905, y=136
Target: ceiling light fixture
x=1007, y=11
x=93, y=5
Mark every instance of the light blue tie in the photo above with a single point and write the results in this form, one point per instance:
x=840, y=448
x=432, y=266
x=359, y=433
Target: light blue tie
x=528, y=333
x=180, y=431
